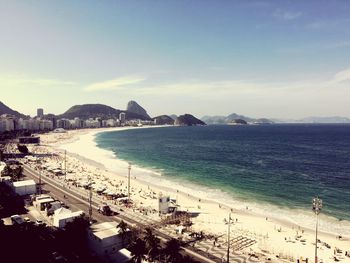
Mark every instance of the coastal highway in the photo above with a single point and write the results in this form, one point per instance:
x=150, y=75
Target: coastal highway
x=77, y=201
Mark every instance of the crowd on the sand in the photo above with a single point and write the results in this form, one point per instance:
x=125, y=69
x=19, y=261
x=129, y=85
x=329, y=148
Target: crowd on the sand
x=271, y=237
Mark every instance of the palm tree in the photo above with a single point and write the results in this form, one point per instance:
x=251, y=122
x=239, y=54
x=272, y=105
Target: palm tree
x=123, y=229
x=172, y=250
x=138, y=250
x=152, y=244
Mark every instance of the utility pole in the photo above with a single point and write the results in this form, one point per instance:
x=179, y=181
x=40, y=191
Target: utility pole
x=40, y=181
x=90, y=202
x=316, y=206
x=229, y=222
x=129, y=169
x=65, y=165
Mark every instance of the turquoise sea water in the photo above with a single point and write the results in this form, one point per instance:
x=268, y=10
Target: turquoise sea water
x=283, y=165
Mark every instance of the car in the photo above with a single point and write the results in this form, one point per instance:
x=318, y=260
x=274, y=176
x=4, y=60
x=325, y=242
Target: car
x=39, y=222
x=16, y=219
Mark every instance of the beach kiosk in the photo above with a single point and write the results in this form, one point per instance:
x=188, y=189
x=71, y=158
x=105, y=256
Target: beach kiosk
x=166, y=205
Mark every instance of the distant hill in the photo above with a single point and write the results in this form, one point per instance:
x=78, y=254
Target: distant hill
x=4, y=109
x=87, y=111
x=334, y=119
x=325, y=120
x=164, y=119
x=238, y=121
x=188, y=120
x=134, y=107
x=232, y=117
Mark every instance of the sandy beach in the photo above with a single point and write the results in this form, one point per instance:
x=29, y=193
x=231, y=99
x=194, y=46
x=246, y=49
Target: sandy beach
x=269, y=236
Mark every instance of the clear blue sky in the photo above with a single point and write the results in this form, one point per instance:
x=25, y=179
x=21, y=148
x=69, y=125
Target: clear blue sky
x=285, y=59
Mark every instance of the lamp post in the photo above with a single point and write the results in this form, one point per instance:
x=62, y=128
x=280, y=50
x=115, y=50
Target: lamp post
x=65, y=165
x=129, y=169
x=90, y=200
x=40, y=181
x=316, y=207
x=228, y=223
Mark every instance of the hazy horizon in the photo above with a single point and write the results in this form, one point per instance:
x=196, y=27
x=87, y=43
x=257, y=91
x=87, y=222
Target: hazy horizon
x=274, y=59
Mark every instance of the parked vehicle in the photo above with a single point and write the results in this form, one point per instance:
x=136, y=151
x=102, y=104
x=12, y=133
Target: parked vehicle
x=39, y=222
x=105, y=210
x=16, y=219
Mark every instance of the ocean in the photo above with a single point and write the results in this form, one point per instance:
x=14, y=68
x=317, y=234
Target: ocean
x=277, y=169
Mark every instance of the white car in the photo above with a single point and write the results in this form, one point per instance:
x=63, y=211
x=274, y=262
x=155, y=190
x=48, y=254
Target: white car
x=39, y=222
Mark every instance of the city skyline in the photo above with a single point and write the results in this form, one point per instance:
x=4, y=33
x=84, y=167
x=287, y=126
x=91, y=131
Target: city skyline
x=259, y=58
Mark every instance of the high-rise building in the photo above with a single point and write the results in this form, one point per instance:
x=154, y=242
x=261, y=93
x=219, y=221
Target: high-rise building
x=40, y=113
x=122, y=117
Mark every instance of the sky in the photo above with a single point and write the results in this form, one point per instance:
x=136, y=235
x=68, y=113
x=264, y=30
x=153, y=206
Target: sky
x=260, y=58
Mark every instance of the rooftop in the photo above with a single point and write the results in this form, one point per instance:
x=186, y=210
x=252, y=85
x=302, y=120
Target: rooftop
x=23, y=183
x=105, y=230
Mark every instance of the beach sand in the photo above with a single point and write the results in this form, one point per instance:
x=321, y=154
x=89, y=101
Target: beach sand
x=273, y=236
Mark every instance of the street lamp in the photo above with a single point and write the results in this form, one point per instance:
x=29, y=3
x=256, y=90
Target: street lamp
x=129, y=168
x=316, y=207
x=228, y=223
x=40, y=180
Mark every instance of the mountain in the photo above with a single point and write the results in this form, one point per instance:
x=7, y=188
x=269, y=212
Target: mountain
x=232, y=117
x=7, y=110
x=325, y=120
x=238, y=122
x=188, y=120
x=163, y=119
x=87, y=111
x=134, y=107
x=333, y=119
x=173, y=116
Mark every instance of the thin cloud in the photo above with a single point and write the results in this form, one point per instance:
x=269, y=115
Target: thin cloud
x=287, y=15
x=341, y=76
x=327, y=24
x=114, y=84
x=20, y=81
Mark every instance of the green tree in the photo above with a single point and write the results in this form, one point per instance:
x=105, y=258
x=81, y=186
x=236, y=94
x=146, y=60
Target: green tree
x=172, y=250
x=17, y=173
x=75, y=232
x=6, y=171
x=152, y=244
x=138, y=250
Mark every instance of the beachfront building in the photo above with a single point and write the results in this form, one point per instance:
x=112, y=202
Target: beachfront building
x=26, y=187
x=122, y=118
x=7, y=123
x=2, y=125
x=63, y=123
x=93, y=123
x=106, y=239
x=40, y=112
x=63, y=215
x=34, y=124
x=111, y=123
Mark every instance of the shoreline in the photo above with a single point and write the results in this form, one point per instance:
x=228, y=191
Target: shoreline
x=83, y=137
x=200, y=193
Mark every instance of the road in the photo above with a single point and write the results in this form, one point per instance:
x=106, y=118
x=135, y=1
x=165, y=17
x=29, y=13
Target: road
x=77, y=201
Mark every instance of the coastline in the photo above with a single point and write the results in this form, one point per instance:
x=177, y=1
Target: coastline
x=82, y=145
